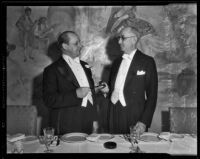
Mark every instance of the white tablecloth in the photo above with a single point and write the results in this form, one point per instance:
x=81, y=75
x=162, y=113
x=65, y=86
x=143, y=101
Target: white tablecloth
x=186, y=145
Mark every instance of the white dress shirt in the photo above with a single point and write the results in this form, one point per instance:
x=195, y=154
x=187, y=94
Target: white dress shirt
x=80, y=75
x=118, y=93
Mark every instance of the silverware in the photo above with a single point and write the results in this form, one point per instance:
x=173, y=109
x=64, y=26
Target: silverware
x=164, y=139
x=58, y=141
x=193, y=135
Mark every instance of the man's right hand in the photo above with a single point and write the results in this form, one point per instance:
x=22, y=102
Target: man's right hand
x=82, y=92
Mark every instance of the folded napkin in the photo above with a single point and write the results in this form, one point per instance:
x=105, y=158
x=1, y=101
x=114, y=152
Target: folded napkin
x=93, y=137
x=16, y=137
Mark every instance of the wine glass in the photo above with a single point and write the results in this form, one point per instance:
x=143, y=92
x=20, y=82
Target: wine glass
x=134, y=136
x=48, y=138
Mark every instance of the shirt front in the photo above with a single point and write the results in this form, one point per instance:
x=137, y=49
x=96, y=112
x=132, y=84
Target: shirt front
x=80, y=75
x=118, y=94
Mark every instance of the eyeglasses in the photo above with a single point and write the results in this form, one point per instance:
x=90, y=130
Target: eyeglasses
x=123, y=38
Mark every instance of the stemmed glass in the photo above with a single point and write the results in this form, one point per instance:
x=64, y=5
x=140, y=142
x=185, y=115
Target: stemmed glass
x=134, y=136
x=48, y=138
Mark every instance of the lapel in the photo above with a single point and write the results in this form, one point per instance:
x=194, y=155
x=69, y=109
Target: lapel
x=66, y=71
x=88, y=74
x=115, y=70
x=136, y=61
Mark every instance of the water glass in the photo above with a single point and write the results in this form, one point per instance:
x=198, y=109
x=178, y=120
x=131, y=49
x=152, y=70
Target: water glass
x=134, y=136
x=48, y=138
x=17, y=147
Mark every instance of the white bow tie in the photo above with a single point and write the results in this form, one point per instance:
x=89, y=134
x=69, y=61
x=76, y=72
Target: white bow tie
x=126, y=56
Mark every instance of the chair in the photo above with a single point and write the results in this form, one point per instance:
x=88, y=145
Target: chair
x=183, y=120
x=21, y=119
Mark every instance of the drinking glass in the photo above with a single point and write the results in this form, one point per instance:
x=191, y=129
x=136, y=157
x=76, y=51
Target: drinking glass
x=134, y=136
x=17, y=147
x=48, y=138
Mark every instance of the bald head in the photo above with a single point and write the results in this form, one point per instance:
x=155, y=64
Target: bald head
x=128, y=40
x=69, y=43
x=65, y=38
x=131, y=31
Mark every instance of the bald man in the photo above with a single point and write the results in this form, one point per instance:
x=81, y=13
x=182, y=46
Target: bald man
x=68, y=89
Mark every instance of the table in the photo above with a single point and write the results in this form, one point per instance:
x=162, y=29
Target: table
x=185, y=146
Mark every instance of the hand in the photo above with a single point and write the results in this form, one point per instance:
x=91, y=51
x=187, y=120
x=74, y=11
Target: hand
x=95, y=127
x=82, y=92
x=104, y=88
x=140, y=127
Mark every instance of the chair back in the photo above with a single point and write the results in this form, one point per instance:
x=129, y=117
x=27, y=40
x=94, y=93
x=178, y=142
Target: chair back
x=21, y=119
x=183, y=120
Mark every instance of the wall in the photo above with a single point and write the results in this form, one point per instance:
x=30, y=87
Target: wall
x=169, y=35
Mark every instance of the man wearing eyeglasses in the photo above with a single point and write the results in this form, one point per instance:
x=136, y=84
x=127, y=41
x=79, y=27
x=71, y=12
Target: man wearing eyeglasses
x=133, y=86
x=68, y=89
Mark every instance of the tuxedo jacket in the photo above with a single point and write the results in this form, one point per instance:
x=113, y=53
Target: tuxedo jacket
x=141, y=86
x=59, y=94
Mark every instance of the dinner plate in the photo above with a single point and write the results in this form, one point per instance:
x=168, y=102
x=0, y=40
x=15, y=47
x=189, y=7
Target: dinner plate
x=149, y=137
x=30, y=139
x=74, y=137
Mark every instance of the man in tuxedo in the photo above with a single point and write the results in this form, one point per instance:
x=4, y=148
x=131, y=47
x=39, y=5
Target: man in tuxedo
x=133, y=86
x=68, y=89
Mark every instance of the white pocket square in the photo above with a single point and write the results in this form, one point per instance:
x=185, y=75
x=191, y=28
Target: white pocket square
x=141, y=72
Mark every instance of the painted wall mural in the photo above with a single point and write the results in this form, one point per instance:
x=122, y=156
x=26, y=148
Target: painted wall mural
x=169, y=34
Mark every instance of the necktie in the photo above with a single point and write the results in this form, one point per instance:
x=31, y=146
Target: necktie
x=126, y=56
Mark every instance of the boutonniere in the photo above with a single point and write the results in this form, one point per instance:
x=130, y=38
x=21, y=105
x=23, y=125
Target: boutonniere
x=87, y=66
x=141, y=72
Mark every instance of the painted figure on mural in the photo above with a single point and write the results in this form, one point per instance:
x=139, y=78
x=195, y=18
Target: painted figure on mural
x=128, y=16
x=25, y=26
x=133, y=86
x=10, y=47
x=68, y=89
x=42, y=33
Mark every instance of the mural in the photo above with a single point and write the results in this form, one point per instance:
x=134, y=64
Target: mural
x=169, y=34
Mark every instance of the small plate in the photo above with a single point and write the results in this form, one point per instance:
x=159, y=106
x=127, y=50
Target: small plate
x=74, y=137
x=105, y=137
x=30, y=139
x=149, y=137
x=99, y=137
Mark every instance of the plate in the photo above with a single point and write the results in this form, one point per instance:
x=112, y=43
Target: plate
x=74, y=137
x=149, y=137
x=170, y=136
x=105, y=137
x=15, y=137
x=92, y=137
x=30, y=139
x=99, y=137
x=175, y=136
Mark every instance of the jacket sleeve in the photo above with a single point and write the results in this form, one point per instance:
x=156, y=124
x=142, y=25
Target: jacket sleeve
x=52, y=97
x=151, y=85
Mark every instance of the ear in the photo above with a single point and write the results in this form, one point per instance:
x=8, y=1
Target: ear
x=65, y=46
